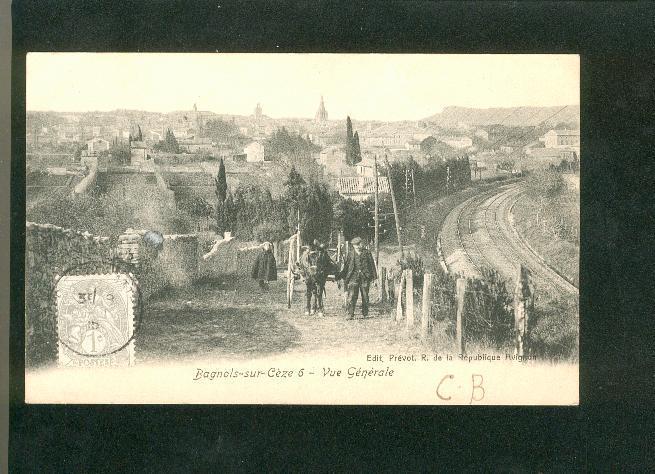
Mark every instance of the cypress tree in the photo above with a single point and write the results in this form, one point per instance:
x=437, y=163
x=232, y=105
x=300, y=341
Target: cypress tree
x=221, y=183
x=349, y=142
x=357, y=152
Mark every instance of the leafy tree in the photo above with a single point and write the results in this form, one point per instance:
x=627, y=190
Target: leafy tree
x=169, y=144
x=292, y=148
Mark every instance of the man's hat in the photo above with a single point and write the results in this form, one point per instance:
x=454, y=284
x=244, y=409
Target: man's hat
x=356, y=241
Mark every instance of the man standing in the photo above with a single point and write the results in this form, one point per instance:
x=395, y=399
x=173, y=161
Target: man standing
x=357, y=273
x=265, y=267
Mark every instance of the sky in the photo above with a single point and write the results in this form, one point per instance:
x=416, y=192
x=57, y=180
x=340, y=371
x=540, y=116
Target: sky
x=385, y=87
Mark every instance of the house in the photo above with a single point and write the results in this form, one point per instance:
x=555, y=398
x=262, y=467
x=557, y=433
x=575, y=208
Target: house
x=366, y=168
x=506, y=149
x=360, y=188
x=254, y=152
x=562, y=138
x=527, y=149
x=333, y=159
x=481, y=133
x=154, y=136
x=197, y=145
x=457, y=142
x=393, y=135
x=413, y=145
x=96, y=145
x=138, y=152
x=554, y=155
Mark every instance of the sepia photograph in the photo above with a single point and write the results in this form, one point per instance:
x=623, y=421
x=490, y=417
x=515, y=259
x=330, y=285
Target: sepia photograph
x=349, y=229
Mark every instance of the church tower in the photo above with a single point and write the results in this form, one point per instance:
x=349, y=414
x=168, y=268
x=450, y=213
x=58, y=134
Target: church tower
x=321, y=114
x=197, y=120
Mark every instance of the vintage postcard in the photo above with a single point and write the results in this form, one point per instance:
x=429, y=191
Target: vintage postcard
x=354, y=229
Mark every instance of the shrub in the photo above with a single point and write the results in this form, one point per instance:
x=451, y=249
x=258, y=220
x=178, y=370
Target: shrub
x=489, y=312
x=270, y=231
x=415, y=263
x=555, y=329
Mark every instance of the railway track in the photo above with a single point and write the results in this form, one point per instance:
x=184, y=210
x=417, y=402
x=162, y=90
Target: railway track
x=479, y=233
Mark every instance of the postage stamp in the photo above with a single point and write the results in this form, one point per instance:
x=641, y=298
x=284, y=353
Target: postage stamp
x=95, y=320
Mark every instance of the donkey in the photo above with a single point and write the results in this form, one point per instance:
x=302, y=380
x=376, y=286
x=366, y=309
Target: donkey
x=315, y=266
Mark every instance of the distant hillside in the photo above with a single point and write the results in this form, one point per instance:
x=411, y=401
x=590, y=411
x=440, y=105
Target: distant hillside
x=511, y=116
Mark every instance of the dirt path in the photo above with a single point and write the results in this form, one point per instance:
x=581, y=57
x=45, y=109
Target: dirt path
x=235, y=319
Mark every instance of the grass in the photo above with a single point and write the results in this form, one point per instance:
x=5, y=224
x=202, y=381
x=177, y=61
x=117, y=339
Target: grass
x=560, y=253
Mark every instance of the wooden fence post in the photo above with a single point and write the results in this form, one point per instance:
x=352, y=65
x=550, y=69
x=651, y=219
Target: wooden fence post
x=382, y=283
x=459, y=328
x=399, y=297
x=409, y=294
x=290, y=276
x=426, y=304
x=523, y=299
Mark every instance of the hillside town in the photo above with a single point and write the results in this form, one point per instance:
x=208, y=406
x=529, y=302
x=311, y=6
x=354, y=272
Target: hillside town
x=74, y=152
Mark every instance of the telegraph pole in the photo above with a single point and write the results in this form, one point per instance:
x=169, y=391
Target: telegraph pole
x=377, y=219
x=413, y=188
x=395, y=207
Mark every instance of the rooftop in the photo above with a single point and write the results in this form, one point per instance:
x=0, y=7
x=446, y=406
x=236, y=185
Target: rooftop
x=362, y=185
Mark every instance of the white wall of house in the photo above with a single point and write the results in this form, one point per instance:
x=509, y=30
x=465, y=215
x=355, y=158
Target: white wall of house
x=254, y=152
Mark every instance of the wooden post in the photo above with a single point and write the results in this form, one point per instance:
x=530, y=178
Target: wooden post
x=395, y=207
x=413, y=188
x=298, y=244
x=459, y=328
x=382, y=284
x=523, y=298
x=377, y=219
x=339, y=247
x=290, y=272
x=399, y=297
x=426, y=304
x=409, y=294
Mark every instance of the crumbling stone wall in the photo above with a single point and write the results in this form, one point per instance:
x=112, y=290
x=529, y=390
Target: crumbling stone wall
x=52, y=251
x=174, y=266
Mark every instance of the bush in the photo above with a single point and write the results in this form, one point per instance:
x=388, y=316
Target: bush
x=444, y=304
x=487, y=304
x=555, y=329
x=414, y=263
x=489, y=312
x=270, y=232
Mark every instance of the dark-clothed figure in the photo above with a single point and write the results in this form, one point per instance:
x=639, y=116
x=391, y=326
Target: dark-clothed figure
x=315, y=264
x=265, y=267
x=357, y=273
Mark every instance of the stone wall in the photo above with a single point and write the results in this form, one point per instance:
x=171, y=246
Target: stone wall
x=51, y=251
x=89, y=181
x=174, y=266
x=229, y=260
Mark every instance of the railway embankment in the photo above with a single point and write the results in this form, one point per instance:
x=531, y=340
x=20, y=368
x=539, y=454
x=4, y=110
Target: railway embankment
x=549, y=225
